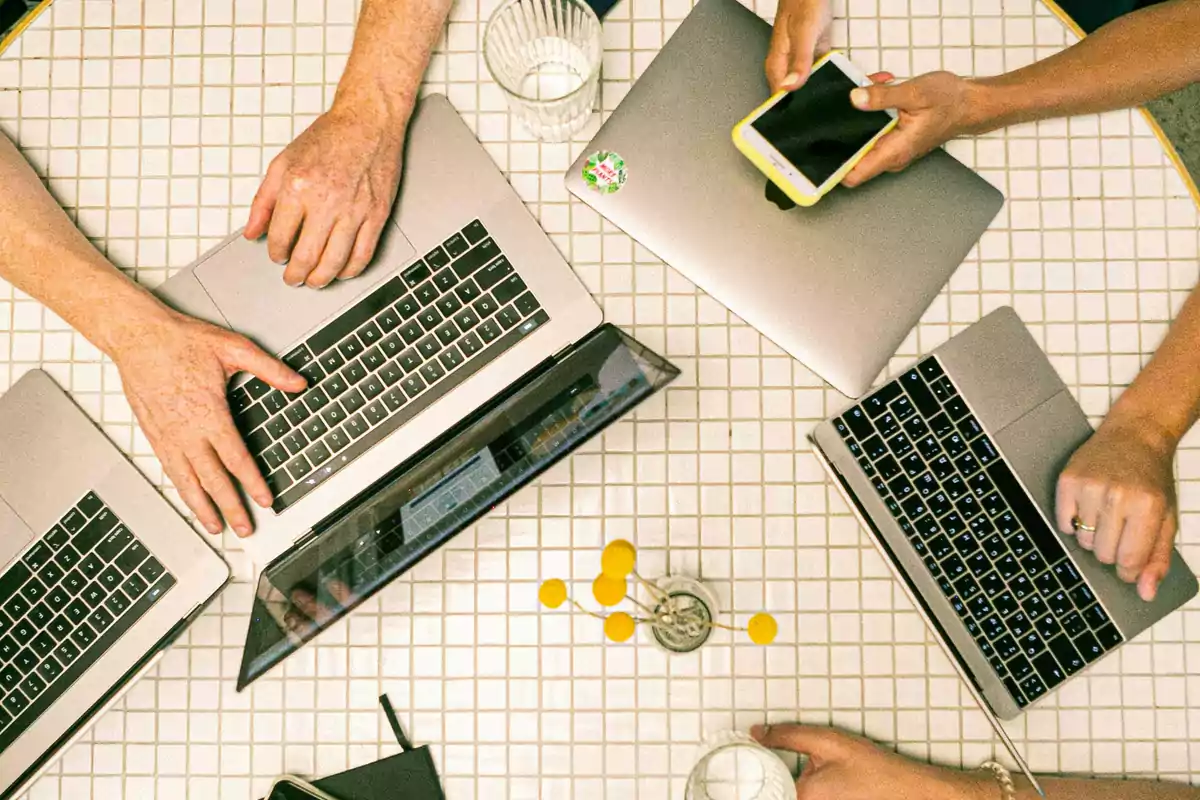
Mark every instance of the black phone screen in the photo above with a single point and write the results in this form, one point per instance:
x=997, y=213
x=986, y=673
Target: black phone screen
x=816, y=128
x=286, y=790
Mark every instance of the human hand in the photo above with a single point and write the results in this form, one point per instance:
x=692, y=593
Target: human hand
x=933, y=109
x=845, y=767
x=175, y=379
x=1121, y=482
x=326, y=198
x=801, y=32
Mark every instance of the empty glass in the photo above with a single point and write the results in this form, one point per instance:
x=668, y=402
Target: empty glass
x=546, y=55
x=735, y=767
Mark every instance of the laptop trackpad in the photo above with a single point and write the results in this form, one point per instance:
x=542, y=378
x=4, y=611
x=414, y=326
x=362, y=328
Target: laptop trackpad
x=248, y=289
x=14, y=534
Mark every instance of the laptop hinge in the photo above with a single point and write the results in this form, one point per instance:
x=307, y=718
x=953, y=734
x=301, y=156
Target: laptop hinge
x=304, y=538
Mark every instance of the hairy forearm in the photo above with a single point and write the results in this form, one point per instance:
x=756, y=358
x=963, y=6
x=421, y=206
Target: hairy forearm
x=1130, y=61
x=1070, y=789
x=392, y=45
x=1163, y=401
x=43, y=254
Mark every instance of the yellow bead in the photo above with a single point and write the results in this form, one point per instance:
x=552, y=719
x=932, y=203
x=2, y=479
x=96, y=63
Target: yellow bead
x=617, y=559
x=619, y=626
x=608, y=591
x=553, y=593
x=763, y=628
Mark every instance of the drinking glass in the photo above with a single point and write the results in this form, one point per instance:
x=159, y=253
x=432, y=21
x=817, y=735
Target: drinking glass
x=735, y=767
x=546, y=56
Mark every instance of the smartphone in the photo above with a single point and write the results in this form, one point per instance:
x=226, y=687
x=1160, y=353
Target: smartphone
x=290, y=788
x=807, y=140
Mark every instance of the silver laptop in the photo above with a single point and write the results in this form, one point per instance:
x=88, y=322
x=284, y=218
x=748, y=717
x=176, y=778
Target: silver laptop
x=99, y=575
x=465, y=360
x=838, y=285
x=951, y=468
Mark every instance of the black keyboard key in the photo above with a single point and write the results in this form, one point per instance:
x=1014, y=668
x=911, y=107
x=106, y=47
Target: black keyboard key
x=296, y=414
x=15, y=703
x=1020, y=544
x=1021, y=587
x=151, y=570
x=77, y=612
x=470, y=345
x=93, y=594
x=1034, y=606
x=100, y=620
x=1032, y=644
x=994, y=546
x=874, y=448
x=420, y=271
x=432, y=371
x=375, y=412
x=1033, y=563
x=490, y=275
x=941, y=425
x=449, y=304
x=394, y=399
x=486, y=306
x=966, y=587
x=49, y=670
x=456, y=245
x=956, y=408
x=60, y=628
x=316, y=399
x=40, y=615
x=362, y=311
x=877, y=404
x=508, y=317
x=411, y=332
x=1109, y=637
x=992, y=584
x=967, y=546
x=114, y=543
x=942, y=467
x=66, y=653
x=429, y=346
x=887, y=426
x=116, y=604
x=926, y=485
x=468, y=292
x=856, y=420
x=1067, y=655
x=475, y=258
x=1048, y=626
x=899, y=445
x=12, y=580
x=954, y=567
x=258, y=441
x=295, y=442
x=350, y=347
x=915, y=386
x=1068, y=576
x=1006, y=648
x=985, y=452
x=1049, y=671
x=313, y=373
x=388, y=320
x=336, y=440
x=1095, y=617
x=83, y=636
x=298, y=467
x=33, y=685
x=57, y=538
x=1019, y=625
x=134, y=586
x=57, y=598
x=95, y=531
x=90, y=505
x=447, y=332
x=940, y=547
x=993, y=504
x=942, y=389
x=1005, y=604
x=475, y=232
x=451, y=357
x=929, y=448
x=356, y=426
x=373, y=359
x=16, y=607
x=1082, y=597
x=10, y=677
x=939, y=504
x=74, y=521
x=969, y=427
x=43, y=644
x=353, y=401
x=315, y=428
x=26, y=660
x=37, y=556
x=888, y=468
x=967, y=464
x=914, y=506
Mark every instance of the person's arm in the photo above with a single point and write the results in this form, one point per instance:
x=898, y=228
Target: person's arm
x=174, y=369
x=845, y=767
x=326, y=198
x=1121, y=482
x=1133, y=59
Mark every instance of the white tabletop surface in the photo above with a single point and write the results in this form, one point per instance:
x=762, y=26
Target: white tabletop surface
x=152, y=122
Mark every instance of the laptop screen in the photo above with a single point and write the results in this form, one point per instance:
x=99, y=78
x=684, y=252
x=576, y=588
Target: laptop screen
x=443, y=489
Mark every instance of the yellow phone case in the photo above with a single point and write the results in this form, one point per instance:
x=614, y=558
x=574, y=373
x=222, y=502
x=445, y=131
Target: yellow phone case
x=778, y=178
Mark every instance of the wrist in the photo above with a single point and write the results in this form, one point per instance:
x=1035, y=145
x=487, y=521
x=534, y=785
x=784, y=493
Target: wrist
x=1131, y=420
x=140, y=314
x=370, y=102
x=986, y=105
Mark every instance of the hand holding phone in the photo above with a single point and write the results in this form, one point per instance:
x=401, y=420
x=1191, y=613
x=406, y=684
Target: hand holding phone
x=807, y=140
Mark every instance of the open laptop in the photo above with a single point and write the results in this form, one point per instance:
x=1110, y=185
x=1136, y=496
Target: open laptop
x=838, y=285
x=952, y=468
x=468, y=316
x=99, y=575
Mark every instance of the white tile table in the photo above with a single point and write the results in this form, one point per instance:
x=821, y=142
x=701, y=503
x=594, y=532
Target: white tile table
x=152, y=122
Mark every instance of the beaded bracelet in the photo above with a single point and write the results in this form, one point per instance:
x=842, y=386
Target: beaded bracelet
x=1008, y=790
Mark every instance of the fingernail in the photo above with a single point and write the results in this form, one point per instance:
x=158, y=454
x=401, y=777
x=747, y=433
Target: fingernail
x=791, y=79
x=859, y=97
x=213, y=528
x=263, y=500
x=243, y=530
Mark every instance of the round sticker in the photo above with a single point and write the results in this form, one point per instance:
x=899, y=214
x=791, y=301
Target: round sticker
x=605, y=172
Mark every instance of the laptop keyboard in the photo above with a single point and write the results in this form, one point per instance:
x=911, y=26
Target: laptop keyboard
x=385, y=360
x=1003, y=569
x=65, y=603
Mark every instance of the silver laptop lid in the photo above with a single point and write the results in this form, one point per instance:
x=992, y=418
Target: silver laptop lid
x=838, y=285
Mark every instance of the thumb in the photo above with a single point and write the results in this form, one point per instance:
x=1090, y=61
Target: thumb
x=264, y=203
x=245, y=356
x=879, y=97
x=819, y=744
